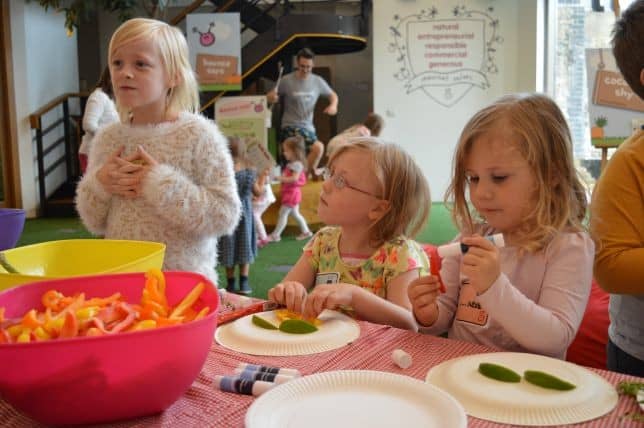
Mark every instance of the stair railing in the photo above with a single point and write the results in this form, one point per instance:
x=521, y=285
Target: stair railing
x=69, y=157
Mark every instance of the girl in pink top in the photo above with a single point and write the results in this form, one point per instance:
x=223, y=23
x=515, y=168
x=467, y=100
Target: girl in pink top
x=514, y=161
x=293, y=178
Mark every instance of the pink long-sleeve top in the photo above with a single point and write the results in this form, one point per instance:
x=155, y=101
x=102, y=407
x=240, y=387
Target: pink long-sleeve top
x=535, y=305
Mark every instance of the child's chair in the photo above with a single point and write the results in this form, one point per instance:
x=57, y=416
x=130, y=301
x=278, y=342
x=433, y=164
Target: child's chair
x=589, y=347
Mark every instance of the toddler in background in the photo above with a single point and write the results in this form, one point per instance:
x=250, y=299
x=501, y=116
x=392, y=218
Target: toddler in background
x=371, y=127
x=514, y=159
x=260, y=204
x=376, y=199
x=293, y=178
x=99, y=111
x=164, y=173
x=240, y=248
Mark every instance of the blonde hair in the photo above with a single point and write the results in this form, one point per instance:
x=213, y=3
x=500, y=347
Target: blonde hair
x=298, y=147
x=541, y=135
x=173, y=49
x=403, y=185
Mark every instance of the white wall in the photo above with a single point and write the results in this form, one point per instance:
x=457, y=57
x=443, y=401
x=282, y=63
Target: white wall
x=45, y=65
x=422, y=125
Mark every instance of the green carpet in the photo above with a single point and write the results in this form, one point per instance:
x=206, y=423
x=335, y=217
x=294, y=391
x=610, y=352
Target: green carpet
x=273, y=261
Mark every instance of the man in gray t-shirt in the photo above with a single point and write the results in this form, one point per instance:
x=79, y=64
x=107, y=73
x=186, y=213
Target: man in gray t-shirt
x=301, y=90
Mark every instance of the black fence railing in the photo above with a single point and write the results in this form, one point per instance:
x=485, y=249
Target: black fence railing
x=69, y=141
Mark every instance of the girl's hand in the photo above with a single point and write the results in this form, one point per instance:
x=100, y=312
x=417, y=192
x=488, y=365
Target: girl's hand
x=327, y=296
x=145, y=162
x=481, y=263
x=423, y=293
x=116, y=175
x=291, y=294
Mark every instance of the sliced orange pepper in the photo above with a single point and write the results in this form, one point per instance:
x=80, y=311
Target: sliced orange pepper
x=102, y=301
x=51, y=299
x=71, y=305
x=94, y=331
x=70, y=327
x=24, y=337
x=156, y=273
x=167, y=322
x=15, y=330
x=143, y=325
x=4, y=336
x=202, y=313
x=72, y=316
x=40, y=333
x=188, y=301
x=157, y=308
x=31, y=320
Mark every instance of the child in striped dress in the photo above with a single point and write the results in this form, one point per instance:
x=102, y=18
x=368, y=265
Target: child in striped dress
x=240, y=248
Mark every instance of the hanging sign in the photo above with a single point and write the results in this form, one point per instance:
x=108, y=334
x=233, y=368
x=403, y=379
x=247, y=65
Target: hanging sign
x=214, y=42
x=615, y=111
x=246, y=117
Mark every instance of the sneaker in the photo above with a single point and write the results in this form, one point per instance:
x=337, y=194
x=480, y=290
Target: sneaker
x=274, y=238
x=261, y=243
x=304, y=235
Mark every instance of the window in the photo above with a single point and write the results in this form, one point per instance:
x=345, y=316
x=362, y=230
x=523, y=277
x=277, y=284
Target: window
x=578, y=26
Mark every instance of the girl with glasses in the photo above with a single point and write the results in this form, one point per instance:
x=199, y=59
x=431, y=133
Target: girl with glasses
x=374, y=199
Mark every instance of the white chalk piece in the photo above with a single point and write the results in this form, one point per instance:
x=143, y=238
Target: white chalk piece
x=459, y=248
x=401, y=358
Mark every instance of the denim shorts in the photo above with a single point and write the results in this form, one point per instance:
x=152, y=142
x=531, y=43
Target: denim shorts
x=295, y=131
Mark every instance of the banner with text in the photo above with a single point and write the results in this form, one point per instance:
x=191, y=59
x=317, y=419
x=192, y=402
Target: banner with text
x=215, y=50
x=615, y=110
x=247, y=117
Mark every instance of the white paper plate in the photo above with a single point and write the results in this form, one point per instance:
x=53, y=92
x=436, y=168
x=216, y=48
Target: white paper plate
x=523, y=403
x=355, y=398
x=640, y=398
x=242, y=335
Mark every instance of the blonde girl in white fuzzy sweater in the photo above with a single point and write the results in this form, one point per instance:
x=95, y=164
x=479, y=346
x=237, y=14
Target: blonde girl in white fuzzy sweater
x=164, y=173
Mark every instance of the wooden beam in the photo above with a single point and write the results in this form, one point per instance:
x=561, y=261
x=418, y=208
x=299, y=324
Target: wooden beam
x=8, y=130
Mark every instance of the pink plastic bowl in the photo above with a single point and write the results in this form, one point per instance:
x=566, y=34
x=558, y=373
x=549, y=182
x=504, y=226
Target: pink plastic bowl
x=105, y=378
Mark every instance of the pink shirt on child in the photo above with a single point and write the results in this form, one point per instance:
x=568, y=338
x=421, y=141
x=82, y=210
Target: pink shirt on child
x=535, y=305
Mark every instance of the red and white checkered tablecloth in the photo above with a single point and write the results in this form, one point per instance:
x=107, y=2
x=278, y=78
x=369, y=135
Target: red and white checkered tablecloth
x=205, y=406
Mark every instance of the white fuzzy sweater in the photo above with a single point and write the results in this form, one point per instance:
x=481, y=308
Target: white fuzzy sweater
x=187, y=201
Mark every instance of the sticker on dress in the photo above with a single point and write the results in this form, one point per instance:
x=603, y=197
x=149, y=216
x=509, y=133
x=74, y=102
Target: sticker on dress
x=469, y=310
x=327, y=278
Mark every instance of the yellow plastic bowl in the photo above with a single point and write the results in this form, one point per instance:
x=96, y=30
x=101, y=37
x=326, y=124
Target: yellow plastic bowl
x=78, y=257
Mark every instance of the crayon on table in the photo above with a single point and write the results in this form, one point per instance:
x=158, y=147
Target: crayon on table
x=269, y=369
x=264, y=376
x=242, y=386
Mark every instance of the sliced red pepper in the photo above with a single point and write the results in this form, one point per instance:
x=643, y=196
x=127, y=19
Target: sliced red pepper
x=5, y=337
x=435, y=263
x=127, y=322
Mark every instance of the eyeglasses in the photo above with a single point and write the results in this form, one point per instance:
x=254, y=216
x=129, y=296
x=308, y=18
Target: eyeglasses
x=340, y=182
